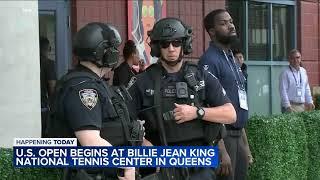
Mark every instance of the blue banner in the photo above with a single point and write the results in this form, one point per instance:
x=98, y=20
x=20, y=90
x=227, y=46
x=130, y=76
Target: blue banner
x=102, y=157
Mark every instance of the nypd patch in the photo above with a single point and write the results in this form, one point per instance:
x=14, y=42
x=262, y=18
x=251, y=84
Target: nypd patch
x=89, y=97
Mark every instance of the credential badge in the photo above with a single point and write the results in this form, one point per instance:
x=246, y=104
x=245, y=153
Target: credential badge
x=89, y=97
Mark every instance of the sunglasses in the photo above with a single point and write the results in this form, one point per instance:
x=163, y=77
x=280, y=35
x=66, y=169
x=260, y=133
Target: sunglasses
x=166, y=44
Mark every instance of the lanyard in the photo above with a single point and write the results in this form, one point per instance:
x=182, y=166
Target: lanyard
x=295, y=76
x=234, y=69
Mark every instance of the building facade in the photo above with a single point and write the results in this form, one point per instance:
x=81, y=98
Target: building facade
x=268, y=29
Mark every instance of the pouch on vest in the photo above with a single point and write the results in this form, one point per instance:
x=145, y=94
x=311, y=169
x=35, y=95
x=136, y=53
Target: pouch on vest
x=213, y=132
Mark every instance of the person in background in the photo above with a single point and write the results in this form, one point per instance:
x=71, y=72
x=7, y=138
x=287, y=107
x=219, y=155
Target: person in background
x=218, y=59
x=294, y=86
x=124, y=72
x=48, y=81
x=240, y=59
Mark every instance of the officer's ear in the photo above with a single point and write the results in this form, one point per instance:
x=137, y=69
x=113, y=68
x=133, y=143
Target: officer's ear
x=212, y=32
x=155, y=49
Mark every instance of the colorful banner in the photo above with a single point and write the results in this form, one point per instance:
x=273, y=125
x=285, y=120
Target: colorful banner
x=142, y=15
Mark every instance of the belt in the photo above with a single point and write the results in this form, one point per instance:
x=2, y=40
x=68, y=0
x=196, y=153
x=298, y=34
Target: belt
x=230, y=127
x=234, y=132
x=296, y=103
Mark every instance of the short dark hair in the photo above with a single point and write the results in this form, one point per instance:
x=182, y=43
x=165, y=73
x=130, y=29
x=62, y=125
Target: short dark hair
x=209, y=20
x=236, y=51
x=129, y=49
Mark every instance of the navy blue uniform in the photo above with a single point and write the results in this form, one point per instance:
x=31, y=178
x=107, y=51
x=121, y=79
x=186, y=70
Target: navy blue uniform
x=214, y=61
x=223, y=66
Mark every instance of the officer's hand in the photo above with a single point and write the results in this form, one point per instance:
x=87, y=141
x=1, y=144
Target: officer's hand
x=289, y=109
x=129, y=174
x=142, y=122
x=225, y=167
x=249, y=155
x=184, y=113
x=310, y=107
x=250, y=159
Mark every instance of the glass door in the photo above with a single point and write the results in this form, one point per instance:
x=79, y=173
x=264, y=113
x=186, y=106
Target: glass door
x=54, y=24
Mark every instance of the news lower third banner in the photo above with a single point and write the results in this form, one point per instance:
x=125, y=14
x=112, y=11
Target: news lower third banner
x=64, y=152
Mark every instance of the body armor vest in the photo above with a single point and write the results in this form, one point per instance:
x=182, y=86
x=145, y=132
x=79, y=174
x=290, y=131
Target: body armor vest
x=179, y=89
x=116, y=128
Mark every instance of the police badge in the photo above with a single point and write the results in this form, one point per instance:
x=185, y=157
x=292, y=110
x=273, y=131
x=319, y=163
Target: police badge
x=89, y=97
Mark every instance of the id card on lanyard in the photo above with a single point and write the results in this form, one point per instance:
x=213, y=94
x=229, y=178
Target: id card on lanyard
x=242, y=94
x=298, y=83
x=299, y=91
x=243, y=99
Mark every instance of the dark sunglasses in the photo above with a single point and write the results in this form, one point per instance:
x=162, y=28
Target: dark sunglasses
x=166, y=44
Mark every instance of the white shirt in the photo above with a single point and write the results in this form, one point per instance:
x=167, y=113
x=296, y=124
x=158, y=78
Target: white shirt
x=294, y=87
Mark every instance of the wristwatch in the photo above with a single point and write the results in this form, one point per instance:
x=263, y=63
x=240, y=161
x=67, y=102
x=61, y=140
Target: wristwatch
x=200, y=112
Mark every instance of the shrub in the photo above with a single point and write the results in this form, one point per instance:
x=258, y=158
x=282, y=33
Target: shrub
x=278, y=144
x=312, y=124
x=7, y=171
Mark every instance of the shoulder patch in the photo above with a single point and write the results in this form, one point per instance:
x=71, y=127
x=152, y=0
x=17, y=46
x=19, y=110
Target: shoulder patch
x=89, y=97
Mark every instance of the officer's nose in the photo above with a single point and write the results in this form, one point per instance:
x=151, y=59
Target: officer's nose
x=232, y=27
x=170, y=48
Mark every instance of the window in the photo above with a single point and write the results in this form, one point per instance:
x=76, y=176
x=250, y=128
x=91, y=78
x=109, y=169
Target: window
x=257, y=31
x=265, y=29
x=236, y=11
x=282, y=32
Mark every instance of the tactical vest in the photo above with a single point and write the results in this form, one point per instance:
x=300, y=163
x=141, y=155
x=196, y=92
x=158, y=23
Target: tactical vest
x=179, y=91
x=117, y=128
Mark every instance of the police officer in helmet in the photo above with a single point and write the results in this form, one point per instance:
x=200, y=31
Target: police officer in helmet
x=86, y=107
x=177, y=100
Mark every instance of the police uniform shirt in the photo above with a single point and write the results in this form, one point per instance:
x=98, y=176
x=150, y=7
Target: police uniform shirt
x=82, y=104
x=214, y=60
x=142, y=92
x=123, y=74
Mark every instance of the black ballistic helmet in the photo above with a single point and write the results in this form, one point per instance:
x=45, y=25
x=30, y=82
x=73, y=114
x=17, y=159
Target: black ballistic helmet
x=97, y=42
x=170, y=29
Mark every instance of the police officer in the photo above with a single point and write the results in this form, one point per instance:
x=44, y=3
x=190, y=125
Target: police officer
x=175, y=99
x=86, y=107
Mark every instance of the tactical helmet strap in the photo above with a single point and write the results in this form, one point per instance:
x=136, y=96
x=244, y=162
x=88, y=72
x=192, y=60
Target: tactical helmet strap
x=110, y=57
x=155, y=49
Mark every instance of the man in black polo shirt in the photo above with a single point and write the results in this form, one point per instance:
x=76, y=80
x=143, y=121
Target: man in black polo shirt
x=124, y=72
x=219, y=60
